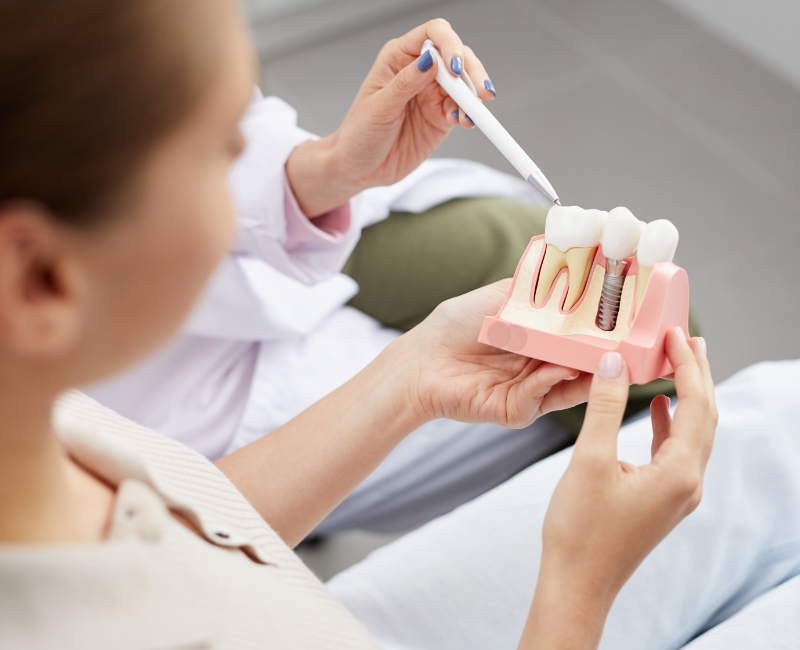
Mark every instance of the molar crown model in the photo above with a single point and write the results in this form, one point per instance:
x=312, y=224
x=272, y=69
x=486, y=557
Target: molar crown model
x=571, y=235
x=657, y=244
x=579, y=291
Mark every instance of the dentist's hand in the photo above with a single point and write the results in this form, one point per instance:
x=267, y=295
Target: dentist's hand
x=453, y=376
x=398, y=119
x=606, y=515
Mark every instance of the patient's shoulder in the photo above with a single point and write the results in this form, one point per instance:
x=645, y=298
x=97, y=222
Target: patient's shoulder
x=117, y=449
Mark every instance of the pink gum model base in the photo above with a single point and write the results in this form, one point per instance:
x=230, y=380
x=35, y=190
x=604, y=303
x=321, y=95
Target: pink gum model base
x=665, y=305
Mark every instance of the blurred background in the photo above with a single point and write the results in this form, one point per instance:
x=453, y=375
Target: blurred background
x=681, y=109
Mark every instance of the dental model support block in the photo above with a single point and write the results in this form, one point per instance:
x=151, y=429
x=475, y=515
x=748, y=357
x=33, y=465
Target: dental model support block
x=538, y=320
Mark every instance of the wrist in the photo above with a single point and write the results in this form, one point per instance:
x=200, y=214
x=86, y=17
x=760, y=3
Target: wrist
x=566, y=614
x=316, y=179
x=396, y=373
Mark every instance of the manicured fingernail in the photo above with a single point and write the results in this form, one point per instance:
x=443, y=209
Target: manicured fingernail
x=680, y=331
x=489, y=86
x=610, y=365
x=703, y=345
x=455, y=113
x=470, y=119
x=457, y=65
x=425, y=61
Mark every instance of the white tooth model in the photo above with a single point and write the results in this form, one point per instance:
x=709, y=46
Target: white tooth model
x=621, y=234
x=620, y=239
x=570, y=302
x=571, y=236
x=658, y=243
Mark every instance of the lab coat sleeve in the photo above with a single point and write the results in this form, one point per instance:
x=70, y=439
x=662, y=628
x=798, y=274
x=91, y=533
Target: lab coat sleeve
x=281, y=278
x=271, y=226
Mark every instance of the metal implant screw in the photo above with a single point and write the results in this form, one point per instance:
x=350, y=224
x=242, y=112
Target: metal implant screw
x=611, y=295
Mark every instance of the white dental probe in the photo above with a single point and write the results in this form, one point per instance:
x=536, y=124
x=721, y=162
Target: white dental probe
x=462, y=90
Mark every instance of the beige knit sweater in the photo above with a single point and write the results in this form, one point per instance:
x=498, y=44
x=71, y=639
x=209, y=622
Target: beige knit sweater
x=154, y=583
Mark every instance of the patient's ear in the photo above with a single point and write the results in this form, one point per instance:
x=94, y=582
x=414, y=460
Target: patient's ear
x=41, y=284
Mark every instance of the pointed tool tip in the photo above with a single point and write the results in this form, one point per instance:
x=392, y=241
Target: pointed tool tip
x=557, y=202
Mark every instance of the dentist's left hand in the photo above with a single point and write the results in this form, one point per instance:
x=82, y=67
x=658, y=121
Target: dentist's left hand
x=437, y=370
x=398, y=119
x=450, y=375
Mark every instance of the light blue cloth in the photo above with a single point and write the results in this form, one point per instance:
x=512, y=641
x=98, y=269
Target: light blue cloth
x=438, y=467
x=465, y=580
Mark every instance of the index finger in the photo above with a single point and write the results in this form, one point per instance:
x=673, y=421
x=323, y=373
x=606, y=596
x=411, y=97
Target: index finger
x=608, y=396
x=445, y=38
x=694, y=417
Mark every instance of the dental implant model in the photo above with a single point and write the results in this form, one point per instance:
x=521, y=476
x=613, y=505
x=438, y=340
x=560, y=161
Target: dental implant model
x=620, y=239
x=578, y=292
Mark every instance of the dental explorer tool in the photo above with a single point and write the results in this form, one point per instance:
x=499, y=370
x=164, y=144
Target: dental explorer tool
x=462, y=90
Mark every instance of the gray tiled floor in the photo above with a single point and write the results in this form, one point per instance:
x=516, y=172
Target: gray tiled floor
x=626, y=102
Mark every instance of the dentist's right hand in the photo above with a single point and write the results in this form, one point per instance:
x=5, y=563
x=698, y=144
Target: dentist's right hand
x=607, y=515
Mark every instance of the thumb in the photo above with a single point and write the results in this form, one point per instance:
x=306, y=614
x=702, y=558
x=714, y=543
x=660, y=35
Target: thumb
x=409, y=82
x=608, y=397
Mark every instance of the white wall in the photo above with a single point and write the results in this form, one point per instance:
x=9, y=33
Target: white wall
x=285, y=26
x=769, y=30
x=272, y=9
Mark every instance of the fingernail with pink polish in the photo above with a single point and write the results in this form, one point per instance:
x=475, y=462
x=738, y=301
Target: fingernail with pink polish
x=610, y=365
x=703, y=346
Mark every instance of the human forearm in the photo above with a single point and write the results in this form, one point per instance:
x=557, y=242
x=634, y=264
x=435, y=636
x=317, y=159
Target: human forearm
x=298, y=473
x=565, y=615
x=606, y=515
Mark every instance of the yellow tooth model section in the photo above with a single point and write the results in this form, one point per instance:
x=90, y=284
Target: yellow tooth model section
x=572, y=236
x=549, y=318
x=577, y=261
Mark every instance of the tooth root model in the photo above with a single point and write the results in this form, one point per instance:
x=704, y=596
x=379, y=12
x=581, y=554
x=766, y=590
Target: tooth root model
x=620, y=239
x=658, y=243
x=559, y=295
x=571, y=235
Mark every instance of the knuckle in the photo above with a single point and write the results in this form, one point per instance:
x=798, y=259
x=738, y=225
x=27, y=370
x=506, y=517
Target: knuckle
x=606, y=402
x=402, y=84
x=695, y=500
x=686, y=486
x=589, y=462
x=714, y=415
x=439, y=22
x=603, y=407
x=704, y=401
x=389, y=46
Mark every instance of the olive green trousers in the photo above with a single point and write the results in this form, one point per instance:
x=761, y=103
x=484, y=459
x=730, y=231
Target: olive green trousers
x=409, y=263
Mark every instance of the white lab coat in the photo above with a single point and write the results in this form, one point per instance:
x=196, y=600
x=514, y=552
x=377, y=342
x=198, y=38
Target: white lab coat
x=272, y=334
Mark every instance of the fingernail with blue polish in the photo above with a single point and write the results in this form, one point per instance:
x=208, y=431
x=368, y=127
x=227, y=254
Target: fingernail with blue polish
x=455, y=113
x=489, y=86
x=425, y=61
x=470, y=119
x=457, y=65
